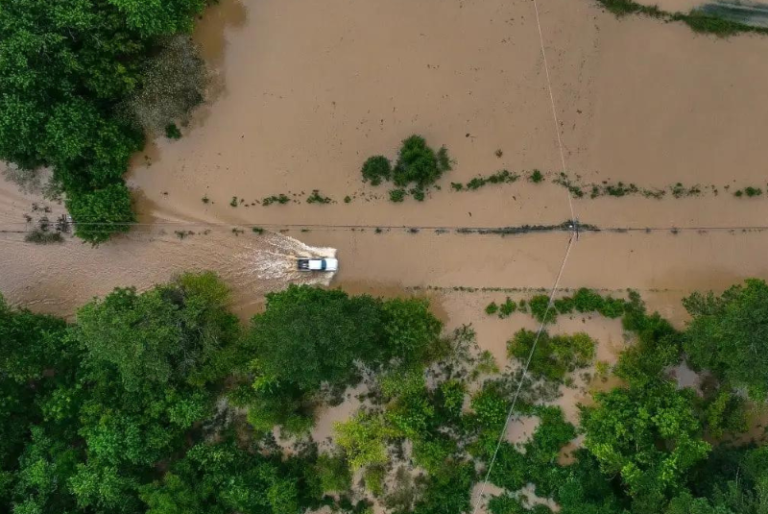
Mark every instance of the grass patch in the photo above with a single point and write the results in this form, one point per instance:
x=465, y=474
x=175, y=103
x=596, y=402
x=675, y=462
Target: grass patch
x=281, y=199
x=42, y=237
x=316, y=197
x=397, y=195
x=500, y=177
x=564, y=180
x=526, y=229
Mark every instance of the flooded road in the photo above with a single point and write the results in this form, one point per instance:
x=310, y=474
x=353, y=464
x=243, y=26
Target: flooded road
x=298, y=104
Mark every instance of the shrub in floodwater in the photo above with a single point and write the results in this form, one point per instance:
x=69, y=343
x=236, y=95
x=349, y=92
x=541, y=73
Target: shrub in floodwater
x=172, y=131
x=281, y=199
x=316, y=197
x=233, y=202
x=540, y=309
x=257, y=230
x=417, y=194
x=397, y=195
x=418, y=163
x=554, y=356
x=507, y=308
x=564, y=305
x=347, y=199
x=376, y=169
x=491, y=308
x=586, y=300
x=564, y=180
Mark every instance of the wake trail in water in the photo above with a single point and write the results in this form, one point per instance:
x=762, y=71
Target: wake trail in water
x=277, y=260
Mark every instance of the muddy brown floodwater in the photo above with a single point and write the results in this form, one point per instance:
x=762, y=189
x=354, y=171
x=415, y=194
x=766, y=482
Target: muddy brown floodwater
x=305, y=91
x=298, y=104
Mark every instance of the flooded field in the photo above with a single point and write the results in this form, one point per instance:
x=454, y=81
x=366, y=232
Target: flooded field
x=305, y=92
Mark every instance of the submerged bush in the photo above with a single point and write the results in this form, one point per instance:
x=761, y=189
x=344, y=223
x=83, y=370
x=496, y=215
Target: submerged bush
x=376, y=169
x=554, y=356
x=397, y=195
x=418, y=163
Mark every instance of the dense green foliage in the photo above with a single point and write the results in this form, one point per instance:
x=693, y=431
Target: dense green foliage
x=554, y=356
x=418, y=166
x=418, y=163
x=649, y=436
x=729, y=335
x=333, y=335
x=129, y=409
x=67, y=75
x=377, y=169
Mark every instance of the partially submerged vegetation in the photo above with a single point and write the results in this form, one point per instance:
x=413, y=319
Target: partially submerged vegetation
x=698, y=20
x=161, y=402
x=83, y=84
x=500, y=177
x=418, y=167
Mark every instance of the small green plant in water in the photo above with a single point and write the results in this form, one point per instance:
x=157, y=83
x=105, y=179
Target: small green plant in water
x=281, y=199
x=417, y=194
x=172, y=131
x=316, y=197
x=507, y=308
x=397, y=195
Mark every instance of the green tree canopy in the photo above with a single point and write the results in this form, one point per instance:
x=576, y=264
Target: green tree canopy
x=728, y=335
x=309, y=335
x=66, y=71
x=173, y=331
x=648, y=435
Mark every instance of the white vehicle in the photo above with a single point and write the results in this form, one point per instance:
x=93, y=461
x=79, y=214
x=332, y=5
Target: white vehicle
x=318, y=264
